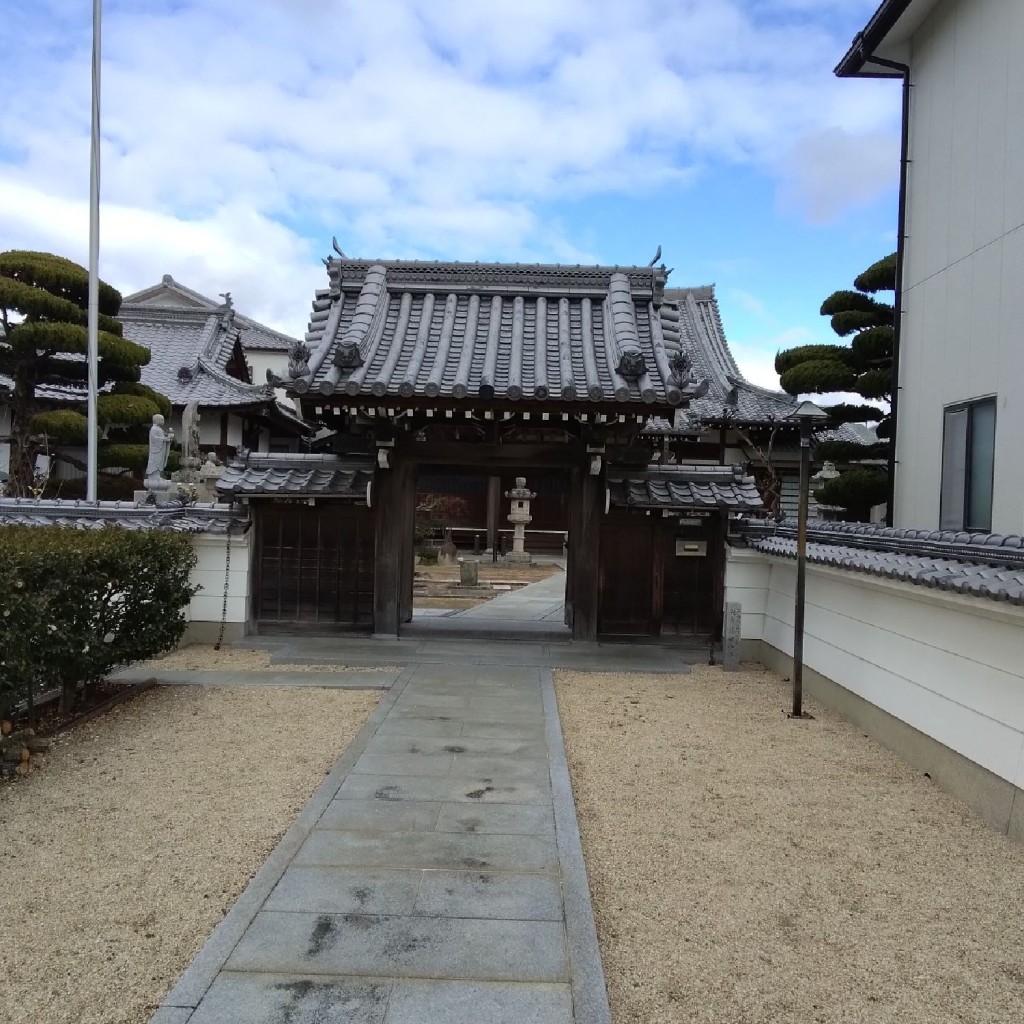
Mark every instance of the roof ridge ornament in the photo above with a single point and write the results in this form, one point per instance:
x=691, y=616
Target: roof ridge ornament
x=621, y=313
x=371, y=307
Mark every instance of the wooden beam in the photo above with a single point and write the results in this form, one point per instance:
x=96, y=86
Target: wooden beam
x=475, y=455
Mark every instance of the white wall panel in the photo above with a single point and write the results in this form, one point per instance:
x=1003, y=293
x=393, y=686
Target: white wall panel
x=948, y=665
x=209, y=573
x=961, y=337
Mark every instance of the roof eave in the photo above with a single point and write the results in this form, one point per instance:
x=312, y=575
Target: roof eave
x=868, y=39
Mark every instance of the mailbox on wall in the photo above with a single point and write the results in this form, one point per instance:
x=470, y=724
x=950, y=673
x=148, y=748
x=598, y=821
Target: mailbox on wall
x=691, y=548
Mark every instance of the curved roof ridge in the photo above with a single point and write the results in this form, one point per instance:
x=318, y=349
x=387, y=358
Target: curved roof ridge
x=265, y=391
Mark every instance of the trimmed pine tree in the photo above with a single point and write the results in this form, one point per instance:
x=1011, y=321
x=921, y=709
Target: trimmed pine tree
x=43, y=315
x=862, y=367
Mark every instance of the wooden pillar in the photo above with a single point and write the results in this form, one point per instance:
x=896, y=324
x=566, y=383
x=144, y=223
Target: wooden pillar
x=493, y=511
x=718, y=527
x=408, y=555
x=393, y=543
x=584, y=539
x=664, y=538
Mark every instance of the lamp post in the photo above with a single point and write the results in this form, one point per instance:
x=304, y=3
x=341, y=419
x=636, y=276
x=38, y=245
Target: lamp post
x=806, y=414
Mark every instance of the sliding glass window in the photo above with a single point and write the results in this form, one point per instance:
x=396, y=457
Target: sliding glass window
x=968, y=463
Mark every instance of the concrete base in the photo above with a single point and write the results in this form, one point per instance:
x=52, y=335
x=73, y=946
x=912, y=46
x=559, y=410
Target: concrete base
x=518, y=558
x=204, y=632
x=992, y=798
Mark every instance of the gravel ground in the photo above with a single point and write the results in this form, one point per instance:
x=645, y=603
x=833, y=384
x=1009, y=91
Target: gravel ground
x=123, y=851
x=747, y=868
x=203, y=657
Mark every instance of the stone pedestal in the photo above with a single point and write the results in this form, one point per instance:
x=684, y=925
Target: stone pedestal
x=469, y=574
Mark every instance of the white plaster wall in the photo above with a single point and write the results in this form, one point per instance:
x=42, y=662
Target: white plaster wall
x=948, y=665
x=208, y=573
x=261, y=361
x=964, y=268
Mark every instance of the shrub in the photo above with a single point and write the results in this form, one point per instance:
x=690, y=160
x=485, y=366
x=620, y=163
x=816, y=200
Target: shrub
x=76, y=603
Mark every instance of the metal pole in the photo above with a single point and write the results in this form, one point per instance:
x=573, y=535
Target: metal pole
x=801, y=570
x=94, y=260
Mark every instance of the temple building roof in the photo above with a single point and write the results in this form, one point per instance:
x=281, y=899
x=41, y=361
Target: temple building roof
x=684, y=488
x=197, y=350
x=399, y=330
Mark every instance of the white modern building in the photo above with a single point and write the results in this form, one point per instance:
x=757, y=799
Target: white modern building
x=960, y=412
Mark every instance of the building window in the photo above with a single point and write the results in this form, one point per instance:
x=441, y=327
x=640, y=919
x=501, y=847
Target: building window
x=968, y=460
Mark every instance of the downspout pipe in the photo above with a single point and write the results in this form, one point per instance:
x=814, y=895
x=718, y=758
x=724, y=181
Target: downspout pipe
x=903, y=70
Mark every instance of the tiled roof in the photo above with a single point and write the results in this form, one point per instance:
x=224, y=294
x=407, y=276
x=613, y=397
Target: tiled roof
x=979, y=564
x=980, y=547
x=197, y=518
x=729, y=396
x=684, y=488
x=254, y=335
x=277, y=474
x=188, y=351
x=514, y=332
x=1001, y=583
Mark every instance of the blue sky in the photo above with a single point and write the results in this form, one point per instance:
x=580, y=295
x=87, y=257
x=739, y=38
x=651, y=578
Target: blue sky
x=238, y=138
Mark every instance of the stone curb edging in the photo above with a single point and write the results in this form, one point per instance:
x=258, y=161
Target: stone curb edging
x=586, y=974
x=199, y=975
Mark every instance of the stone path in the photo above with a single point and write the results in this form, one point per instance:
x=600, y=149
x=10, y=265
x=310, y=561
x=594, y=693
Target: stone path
x=435, y=876
x=536, y=602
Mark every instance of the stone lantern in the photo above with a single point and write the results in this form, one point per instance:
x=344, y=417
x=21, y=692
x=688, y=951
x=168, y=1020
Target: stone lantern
x=519, y=516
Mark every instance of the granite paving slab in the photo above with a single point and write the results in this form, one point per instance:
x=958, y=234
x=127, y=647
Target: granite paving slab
x=428, y=850
x=414, y=947
x=486, y=790
x=436, y=876
x=416, y=1002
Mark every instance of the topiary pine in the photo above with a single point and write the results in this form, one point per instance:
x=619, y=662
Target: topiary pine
x=864, y=367
x=43, y=312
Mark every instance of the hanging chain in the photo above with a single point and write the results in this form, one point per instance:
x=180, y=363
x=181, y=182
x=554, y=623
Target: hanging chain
x=227, y=577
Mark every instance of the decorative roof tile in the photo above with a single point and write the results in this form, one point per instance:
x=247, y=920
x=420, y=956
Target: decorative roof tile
x=297, y=474
x=684, y=488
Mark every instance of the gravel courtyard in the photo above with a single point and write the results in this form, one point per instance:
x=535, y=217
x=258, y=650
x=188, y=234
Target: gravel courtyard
x=123, y=851
x=746, y=868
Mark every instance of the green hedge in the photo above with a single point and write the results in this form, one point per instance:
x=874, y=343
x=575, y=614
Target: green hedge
x=76, y=603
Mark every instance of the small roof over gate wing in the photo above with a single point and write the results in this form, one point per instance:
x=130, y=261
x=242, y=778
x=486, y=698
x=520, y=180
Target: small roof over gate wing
x=284, y=475
x=684, y=488
x=400, y=330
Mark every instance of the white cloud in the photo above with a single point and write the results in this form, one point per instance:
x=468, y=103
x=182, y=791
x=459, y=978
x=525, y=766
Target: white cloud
x=826, y=173
x=411, y=127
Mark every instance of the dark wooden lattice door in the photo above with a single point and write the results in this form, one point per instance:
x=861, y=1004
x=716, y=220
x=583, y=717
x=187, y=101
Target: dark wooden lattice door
x=627, y=586
x=315, y=565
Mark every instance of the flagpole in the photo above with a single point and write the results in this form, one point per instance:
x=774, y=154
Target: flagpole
x=94, y=259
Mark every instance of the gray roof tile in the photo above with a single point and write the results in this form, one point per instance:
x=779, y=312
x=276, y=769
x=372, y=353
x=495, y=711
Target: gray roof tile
x=300, y=474
x=684, y=488
x=979, y=565
x=465, y=330
x=177, y=518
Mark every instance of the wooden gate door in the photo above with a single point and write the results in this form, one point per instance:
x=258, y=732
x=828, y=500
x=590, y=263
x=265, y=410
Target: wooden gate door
x=627, y=575
x=315, y=565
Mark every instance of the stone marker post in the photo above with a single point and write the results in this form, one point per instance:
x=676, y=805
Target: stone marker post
x=731, y=636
